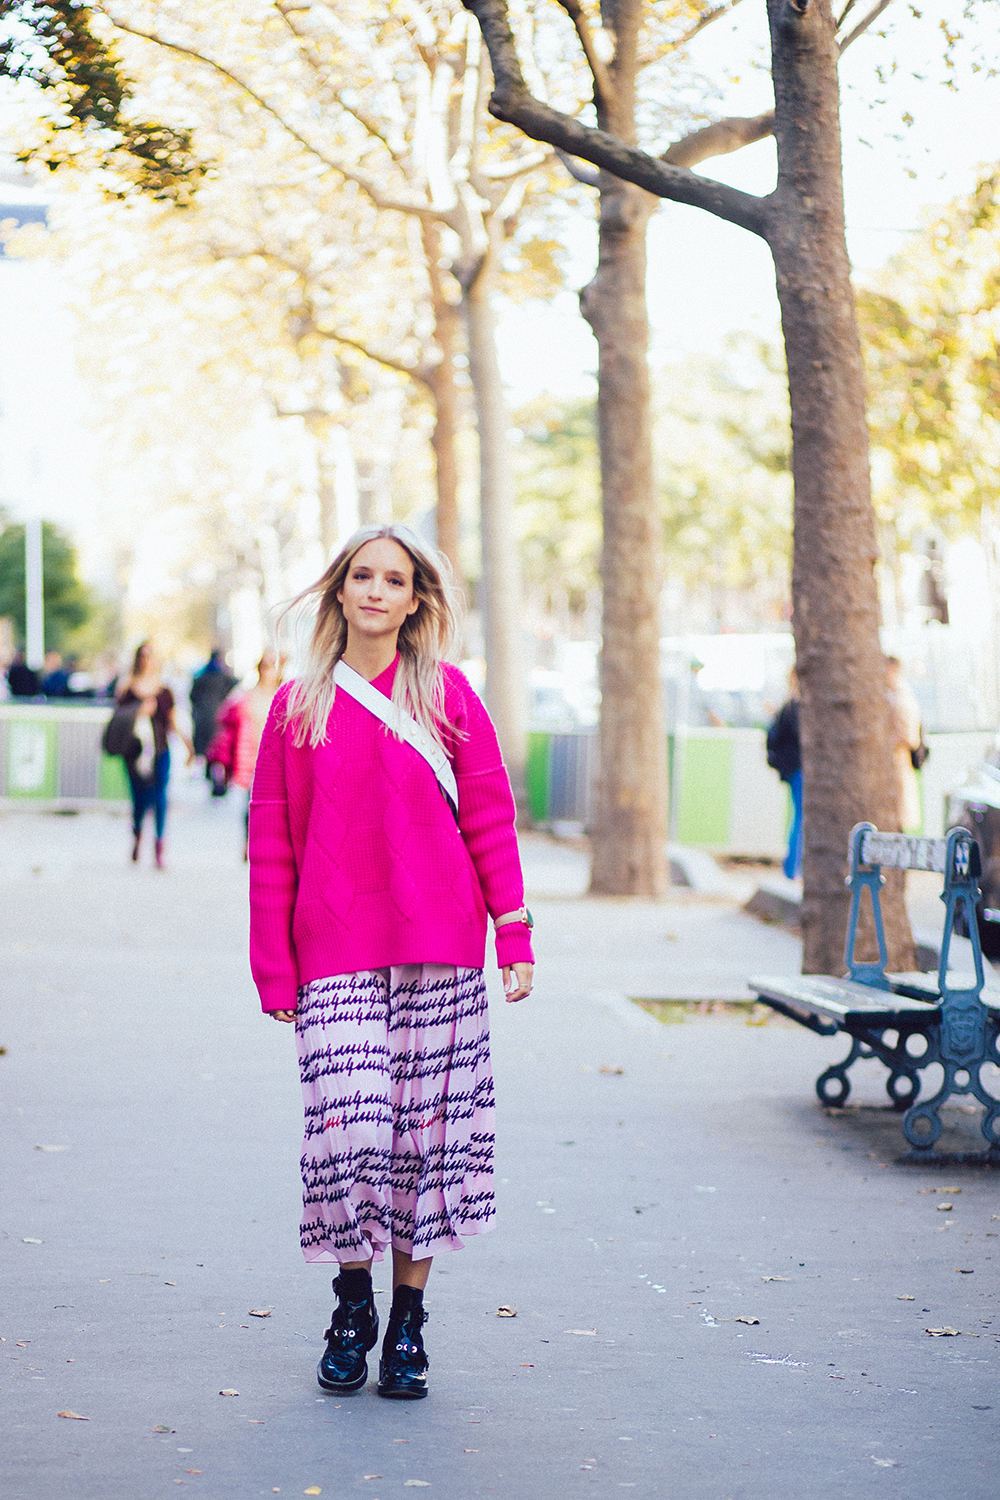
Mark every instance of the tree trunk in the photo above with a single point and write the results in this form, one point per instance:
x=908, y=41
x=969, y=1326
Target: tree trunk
x=846, y=739
x=630, y=822
x=506, y=674
x=441, y=383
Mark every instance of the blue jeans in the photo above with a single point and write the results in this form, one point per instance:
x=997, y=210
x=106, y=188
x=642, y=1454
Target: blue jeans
x=793, y=859
x=150, y=794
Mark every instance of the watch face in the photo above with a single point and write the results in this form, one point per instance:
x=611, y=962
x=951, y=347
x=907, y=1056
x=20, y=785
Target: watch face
x=529, y=919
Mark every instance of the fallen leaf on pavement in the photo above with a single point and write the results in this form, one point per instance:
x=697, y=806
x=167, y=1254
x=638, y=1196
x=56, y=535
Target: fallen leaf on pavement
x=948, y=1190
x=313, y=1489
x=27, y=1241
x=526, y=1366
x=943, y=1333
x=905, y=1297
x=236, y=1393
x=417, y=1484
x=607, y=1068
x=470, y=1450
x=73, y=1415
x=260, y=1312
x=884, y=1463
x=746, y=1320
x=506, y=1312
x=192, y=1471
x=170, y=1283
x=371, y=1476
x=590, y=1333
x=161, y=1428
x=961, y=1271
x=775, y=1278
x=51, y=1148
x=944, y=1208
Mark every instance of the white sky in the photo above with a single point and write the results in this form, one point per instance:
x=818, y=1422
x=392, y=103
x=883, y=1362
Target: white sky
x=708, y=279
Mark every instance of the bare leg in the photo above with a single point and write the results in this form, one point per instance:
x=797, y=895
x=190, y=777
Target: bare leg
x=409, y=1272
x=355, y=1265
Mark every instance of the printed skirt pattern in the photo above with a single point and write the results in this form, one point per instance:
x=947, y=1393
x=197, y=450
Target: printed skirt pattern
x=398, y=1093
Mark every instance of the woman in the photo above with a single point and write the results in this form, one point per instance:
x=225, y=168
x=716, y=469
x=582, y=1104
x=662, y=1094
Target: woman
x=239, y=727
x=369, y=896
x=149, y=766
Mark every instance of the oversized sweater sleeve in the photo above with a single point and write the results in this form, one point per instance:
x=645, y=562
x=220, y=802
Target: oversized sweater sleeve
x=486, y=818
x=273, y=873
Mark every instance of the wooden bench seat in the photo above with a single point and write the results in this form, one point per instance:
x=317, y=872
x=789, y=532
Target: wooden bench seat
x=836, y=1000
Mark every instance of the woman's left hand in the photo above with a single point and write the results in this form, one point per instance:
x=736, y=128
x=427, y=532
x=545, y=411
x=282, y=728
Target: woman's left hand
x=282, y=1015
x=517, y=980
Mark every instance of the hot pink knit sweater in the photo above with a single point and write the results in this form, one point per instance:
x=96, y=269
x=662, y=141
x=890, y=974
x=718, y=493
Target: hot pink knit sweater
x=355, y=858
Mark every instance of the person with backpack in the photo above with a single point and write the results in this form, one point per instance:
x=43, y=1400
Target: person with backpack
x=381, y=835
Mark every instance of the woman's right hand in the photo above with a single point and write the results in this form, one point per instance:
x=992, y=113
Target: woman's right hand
x=282, y=1015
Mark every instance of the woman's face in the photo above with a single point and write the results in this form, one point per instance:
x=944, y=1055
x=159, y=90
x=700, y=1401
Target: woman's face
x=146, y=662
x=377, y=595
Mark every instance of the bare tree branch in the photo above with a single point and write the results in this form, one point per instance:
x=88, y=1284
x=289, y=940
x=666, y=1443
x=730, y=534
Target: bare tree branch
x=714, y=13
x=360, y=179
x=845, y=13
x=604, y=89
x=514, y=168
x=513, y=102
x=864, y=24
x=719, y=139
x=422, y=373
x=588, y=175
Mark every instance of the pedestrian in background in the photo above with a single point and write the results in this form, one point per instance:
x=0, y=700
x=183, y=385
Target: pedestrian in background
x=23, y=681
x=239, y=727
x=381, y=834
x=784, y=755
x=148, y=759
x=209, y=690
x=908, y=748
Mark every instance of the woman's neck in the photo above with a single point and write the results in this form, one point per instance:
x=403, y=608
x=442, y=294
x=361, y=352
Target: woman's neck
x=368, y=656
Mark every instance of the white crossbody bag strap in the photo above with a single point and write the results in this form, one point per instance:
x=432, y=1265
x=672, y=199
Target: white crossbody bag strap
x=400, y=723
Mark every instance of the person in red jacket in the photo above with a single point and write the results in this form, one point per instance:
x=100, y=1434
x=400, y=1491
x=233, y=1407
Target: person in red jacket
x=239, y=726
x=381, y=835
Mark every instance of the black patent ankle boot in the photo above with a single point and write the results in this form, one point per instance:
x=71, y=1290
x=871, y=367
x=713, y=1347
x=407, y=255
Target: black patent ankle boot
x=352, y=1332
x=402, y=1370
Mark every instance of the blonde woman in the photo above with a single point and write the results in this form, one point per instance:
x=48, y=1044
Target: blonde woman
x=381, y=835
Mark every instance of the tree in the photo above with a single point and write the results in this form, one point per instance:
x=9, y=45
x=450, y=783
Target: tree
x=929, y=336
x=845, y=723
x=393, y=104
x=63, y=49
x=68, y=602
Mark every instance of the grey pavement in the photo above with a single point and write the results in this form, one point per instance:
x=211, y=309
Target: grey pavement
x=657, y=1184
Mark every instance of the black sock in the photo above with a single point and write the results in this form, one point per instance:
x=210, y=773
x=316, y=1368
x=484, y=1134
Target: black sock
x=406, y=1299
x=354, y=1285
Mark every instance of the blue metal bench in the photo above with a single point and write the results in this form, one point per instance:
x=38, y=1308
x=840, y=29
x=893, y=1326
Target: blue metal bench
x=907, y=1021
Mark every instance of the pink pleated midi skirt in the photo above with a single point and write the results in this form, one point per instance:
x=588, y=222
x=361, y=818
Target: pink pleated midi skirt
x=398, y=1094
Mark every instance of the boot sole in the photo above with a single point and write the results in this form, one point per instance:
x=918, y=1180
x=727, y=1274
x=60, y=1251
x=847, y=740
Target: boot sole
x=402, y=1394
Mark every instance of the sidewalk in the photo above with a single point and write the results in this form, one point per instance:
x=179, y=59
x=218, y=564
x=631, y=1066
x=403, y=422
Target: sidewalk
x=655, y=1183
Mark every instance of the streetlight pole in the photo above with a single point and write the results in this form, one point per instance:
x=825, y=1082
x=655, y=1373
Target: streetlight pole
x=34, y=597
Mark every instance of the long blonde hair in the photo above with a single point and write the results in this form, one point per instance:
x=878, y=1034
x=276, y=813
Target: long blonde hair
x=425, y=637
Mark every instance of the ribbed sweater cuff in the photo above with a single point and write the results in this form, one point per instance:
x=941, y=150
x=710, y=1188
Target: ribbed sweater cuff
x=513, y=941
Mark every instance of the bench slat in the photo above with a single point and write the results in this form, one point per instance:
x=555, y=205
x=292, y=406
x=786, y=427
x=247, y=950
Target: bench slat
x=921, y=986
x=838, y=998
x=902, y=851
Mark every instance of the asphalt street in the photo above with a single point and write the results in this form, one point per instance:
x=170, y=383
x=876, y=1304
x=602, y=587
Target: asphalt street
x=722, y=1290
